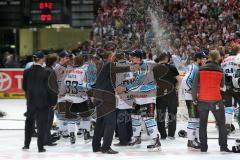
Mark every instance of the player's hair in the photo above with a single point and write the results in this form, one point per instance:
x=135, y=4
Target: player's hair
x=51, y=59
x=236, y=48
x=78, y=60
x=120, y=56
x=214, y=55
x=106, y=54
x=35, y=59
x=163, y=56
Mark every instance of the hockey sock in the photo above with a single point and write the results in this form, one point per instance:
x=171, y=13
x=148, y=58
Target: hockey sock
x=71, y=126
x=192, y=128
x=85, y=123
x=229, y=114
x=151, y=126
x=136, y=125
x=78, y=124
x=65, y=126
x=197, y=129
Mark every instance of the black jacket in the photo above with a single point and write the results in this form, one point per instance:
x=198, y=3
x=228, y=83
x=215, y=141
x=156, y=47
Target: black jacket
x=107, y=76
x=52, y=86
x=103, y=91
x=35, y=85
x=165, y=77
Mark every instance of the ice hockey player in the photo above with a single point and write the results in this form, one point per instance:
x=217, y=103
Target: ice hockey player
x=229, y=68
x=124, y=107
x=236, y=79
x=193, y=122
x=144, y=106
x=77, y=100
x=60, y=70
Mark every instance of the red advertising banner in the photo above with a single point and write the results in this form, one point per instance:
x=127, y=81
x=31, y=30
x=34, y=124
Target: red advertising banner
x=11, y=83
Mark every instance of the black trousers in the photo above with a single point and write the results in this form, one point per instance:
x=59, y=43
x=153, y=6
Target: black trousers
x=41, y=116
x=48, y=138
x=167, y=103
x=124, y=125
x=217, y=108
x=104, y=128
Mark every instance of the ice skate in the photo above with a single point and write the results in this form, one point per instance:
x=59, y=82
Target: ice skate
x=193, y=145
x=136, y=141
x=155, y=145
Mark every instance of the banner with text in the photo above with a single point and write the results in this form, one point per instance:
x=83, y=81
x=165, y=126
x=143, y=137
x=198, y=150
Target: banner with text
x=11, y=83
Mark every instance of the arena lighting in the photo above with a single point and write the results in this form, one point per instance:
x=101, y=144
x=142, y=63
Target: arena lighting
x=12, y=46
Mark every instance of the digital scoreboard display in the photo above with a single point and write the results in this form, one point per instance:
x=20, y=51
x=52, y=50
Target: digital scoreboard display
x=11, y=13
x=46, y=11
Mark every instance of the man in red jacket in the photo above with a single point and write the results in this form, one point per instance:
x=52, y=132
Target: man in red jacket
x=206, y=93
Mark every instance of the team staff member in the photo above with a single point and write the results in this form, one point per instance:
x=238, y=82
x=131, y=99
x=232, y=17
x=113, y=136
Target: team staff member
x=51, y=60
x=166, y=99
x=35, y=85
x=106, y=109
x=206, y=91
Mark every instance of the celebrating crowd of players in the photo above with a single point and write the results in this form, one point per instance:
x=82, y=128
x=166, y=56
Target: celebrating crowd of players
x=117, y=91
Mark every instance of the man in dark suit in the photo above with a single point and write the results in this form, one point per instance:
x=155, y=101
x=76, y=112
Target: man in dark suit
x=104, y=92
x=35, y=85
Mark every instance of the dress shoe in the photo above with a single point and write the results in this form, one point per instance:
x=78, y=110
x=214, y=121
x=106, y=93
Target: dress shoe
x=109, y=151
x=121, y=144
x=51, y=144
x=225, y=149
x=25, y=148
x=97, y=150
x=42, y=150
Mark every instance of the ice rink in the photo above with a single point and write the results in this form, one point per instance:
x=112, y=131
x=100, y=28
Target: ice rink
x=12, y=137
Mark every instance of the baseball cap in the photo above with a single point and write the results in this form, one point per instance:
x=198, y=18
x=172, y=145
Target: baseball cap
x=38, y=54
x=200, y=55
x=63, y=54
x=137, y=53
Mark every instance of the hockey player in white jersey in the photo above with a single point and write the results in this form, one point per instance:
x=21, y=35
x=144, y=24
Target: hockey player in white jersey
x=143, y=90
x=78, y=104
x=123, y=105
x=187, y=82
x=60, y=70
x=236, y=79
x=229, y=68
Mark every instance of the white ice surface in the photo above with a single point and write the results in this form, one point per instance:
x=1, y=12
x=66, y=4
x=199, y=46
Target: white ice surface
x=11, y=142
